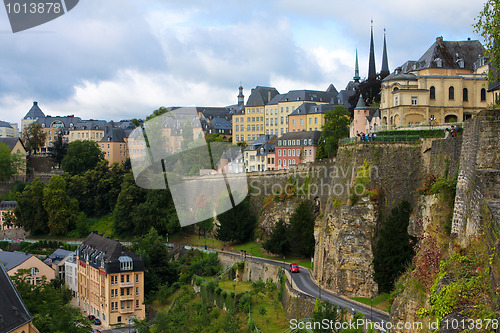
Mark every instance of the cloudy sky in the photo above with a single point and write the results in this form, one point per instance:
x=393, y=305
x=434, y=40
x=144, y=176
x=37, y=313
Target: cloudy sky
x=119, y=59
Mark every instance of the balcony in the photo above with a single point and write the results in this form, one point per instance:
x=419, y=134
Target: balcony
x=127, y=310
x=127, y=284
x=127, y=297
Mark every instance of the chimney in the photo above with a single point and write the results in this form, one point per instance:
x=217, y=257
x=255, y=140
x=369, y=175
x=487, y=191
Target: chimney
x=440, y=40
x=268, y=96
x=35, y=103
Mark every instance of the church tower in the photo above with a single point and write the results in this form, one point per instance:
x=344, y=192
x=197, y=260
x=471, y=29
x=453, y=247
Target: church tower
x=241, y=97
x=356, y=77
x=372, y=72
x=385, y=63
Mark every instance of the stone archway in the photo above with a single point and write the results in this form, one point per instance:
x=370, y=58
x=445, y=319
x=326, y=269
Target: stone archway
x=451, y=118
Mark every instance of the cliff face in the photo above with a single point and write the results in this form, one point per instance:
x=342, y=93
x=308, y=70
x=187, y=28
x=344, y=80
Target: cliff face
x=344, y=252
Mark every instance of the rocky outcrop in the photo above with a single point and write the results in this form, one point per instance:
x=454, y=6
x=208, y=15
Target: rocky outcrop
x=344, y=249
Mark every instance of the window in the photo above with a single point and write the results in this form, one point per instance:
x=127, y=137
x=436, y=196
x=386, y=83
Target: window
x=396, y=101
x=136, y=303
x=466, y=95
x=122, y=291
x=136, y=291
x=310, y=121
x=122, y=278
x=279, y=152
x=126, y=264
x=315, y=120
x=432, y=93
x=483, y=95
x=414, y=100
x=451, y=93
x=293, y=122
x=119, y=319
x=302, y=122
x=34, y=271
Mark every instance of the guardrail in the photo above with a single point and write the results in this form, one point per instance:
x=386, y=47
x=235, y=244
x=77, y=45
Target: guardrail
x=380, y=138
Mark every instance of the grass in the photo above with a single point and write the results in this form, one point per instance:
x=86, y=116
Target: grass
x=380, y=302
x=163, y=307
x=237, y=287
x=103, y=225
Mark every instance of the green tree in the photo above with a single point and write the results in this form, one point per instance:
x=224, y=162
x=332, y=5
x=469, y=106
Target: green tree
x=81, y=156
x=61, y=208
x=157, y=211
x=30, y=212
x=136, y=122
x=322, y=311
x=33, y=137
x=58, y=149
x=335, y=128
x=48, y=302
x=158, y=112
x=301, y=230
x=153, y=251
x=394, y=249
x=278, y=239
x=488, y=26
x=236, y=224
x=130, y=196
x=9, y=163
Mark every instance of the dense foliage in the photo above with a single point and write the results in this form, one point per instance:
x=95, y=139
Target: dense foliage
x=9, y=163
x=33, y=137
x=81, y=156
x=58, y=149
x=48, y=303
x=236, y=224
x=395, y=248
x=488, y=26
x=335, y=128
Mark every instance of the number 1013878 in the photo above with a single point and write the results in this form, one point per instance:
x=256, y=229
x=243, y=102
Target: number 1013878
x=33, y=8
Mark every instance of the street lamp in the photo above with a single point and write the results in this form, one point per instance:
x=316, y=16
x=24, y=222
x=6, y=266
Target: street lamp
x=371, y=308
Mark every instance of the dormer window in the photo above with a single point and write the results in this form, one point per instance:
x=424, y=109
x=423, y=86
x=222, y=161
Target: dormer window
x=439, y=62
x=126, y=263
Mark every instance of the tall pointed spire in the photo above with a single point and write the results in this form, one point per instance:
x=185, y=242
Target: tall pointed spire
x=241, y=97
x=372, y=72
x=356, y=77
x=385, y=63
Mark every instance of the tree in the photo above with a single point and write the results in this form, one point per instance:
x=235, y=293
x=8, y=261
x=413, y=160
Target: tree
x=335, y=128
x=33, y=137
x=301, y=230
x=488, y=26
x=30, y=212
x=130, y=195
x=61, y=209
x=236, y=224
x=394, y=247
x=9, y=163
x=156, y=259
x=278, y=239
x=158, y=112
x=48, y=302
x=81, y=156
x=58, y=149
x=325, y=311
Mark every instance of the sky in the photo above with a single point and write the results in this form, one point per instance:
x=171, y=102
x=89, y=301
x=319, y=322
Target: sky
x=122, y=59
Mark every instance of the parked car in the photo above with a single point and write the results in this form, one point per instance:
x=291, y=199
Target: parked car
x=97, y=321
x=95, y=331
x=293, y=268
x=91, y=317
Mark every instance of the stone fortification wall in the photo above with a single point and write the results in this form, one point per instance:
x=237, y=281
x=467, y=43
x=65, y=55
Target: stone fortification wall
x=479, y=174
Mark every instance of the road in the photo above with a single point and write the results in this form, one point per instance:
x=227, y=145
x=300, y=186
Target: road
x=305, y=283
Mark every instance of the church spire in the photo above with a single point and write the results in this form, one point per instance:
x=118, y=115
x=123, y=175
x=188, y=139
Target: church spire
x=372, y=72
x=241, y=97
x=385, y=63
x=356, y=69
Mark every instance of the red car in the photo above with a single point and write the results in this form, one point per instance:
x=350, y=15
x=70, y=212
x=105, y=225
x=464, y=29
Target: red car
x=294, y=268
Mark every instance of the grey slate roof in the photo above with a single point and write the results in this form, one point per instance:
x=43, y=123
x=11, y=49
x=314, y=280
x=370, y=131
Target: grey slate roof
x=312, y=108
x=314, y=135
x=68, y=121
x=261, y=96
x=400, y=76
x=267, y=148
x=8, y=205
x=90, y=124
x=361, y=103
x=10, y=142
x=450, y=52
x=231, y=154
x=261, y=140
x=220, y=123
x=13, y=312
x=96, y=248
x=13, y=259
x=113, y=134
x=35, y=112
x=310, y=96
x=4, y=124
x=58, y=256
x=215, y=112
x=373, y=113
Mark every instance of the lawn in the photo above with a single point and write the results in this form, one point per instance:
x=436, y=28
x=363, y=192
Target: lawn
x=380, y=302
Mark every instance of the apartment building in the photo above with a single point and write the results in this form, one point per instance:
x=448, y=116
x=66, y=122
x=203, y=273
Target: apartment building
x=308, y=117
x=110, y=280
x=14, y=261
x=296, y=147
x=253, y=160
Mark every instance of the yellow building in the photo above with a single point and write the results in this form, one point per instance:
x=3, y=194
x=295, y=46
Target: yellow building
x=248, y=124
x=110, y=281
x=308, y=117
x=87, y=130
x=114, y=145
x=447, y=84
x=255, y=155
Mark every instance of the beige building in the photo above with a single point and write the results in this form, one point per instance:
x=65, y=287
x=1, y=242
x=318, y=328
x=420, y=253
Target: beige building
x=87, y=130
x=447, y=84
x=366, y=119
x=114, y=144
x=14, y=261
x=110, y=281
x=248, y=123
x=8, y=130
x=16, y=146
x=255, y=155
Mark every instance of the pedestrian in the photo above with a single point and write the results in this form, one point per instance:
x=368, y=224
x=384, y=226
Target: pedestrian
x=446, y=133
